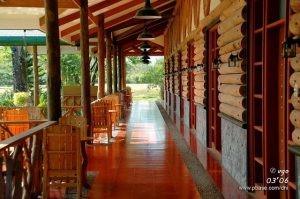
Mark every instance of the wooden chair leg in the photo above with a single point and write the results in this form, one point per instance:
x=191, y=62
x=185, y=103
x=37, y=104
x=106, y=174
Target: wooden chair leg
x=45, y=190
x=78, y=190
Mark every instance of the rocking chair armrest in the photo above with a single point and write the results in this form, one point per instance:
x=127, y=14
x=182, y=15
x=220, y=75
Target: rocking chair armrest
x=86, y=139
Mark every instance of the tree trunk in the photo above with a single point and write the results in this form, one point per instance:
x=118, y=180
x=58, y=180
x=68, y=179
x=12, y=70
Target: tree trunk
x=19, y=69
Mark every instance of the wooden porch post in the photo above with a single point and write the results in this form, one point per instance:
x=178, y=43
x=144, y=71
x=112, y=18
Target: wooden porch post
x=101, y=57
x=120, y=67
x=108, y=63
x=85, y=64
x=124, y=71
x=36, y=76
x=53, y=55
x=115, y=69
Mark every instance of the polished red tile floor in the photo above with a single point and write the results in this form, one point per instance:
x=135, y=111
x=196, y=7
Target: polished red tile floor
x=143, y=162
x=211, y=161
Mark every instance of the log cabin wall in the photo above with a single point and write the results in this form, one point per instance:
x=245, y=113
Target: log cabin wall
x=171, y=83
x=177, y=82
x=165, y=85
x=199, y=58
x=232, y=80
x=232, y=90
x=188, y=27
x=293, y=128
x=294, y=27
x=184, y=83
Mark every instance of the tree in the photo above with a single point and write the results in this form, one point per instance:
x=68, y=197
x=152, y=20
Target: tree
x=20, y=82
x=154, y=75
x=70, y=69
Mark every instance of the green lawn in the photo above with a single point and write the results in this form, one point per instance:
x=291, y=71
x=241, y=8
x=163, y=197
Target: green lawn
x=142, y=92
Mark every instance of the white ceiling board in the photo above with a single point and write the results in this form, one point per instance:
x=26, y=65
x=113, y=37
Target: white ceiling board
x=21, y=13
x=159, y=40
x=110, y=7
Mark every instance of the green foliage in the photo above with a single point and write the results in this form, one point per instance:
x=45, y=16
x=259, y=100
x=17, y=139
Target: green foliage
x=5, y=66
x=21, y=99
x=43, y=98
x=70, y=69
x=139, y=73
x=43, y=101
x=94, y=69
x=6, y=98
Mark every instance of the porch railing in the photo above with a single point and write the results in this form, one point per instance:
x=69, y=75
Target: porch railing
x=21, y=164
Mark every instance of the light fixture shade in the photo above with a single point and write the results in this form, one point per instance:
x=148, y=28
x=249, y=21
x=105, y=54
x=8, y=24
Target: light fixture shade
x=146, y=35
x=145, y=46
x=147, y=12
x=145, y=57
x=145, y=61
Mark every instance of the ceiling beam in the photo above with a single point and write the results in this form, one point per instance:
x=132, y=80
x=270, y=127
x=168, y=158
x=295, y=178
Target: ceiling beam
x=140, y=28
x=102, y=5
x=76, y=15
x=90, y=14
x=137, y=43
x=130, y=15
x=159, y=30
x=131, y=22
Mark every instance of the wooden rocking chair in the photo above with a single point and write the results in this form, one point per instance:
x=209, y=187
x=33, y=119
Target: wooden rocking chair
x=77, y=121
x=101, y=119
x=62, y=158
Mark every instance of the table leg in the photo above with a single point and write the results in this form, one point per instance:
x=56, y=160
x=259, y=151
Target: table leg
x=84, y=166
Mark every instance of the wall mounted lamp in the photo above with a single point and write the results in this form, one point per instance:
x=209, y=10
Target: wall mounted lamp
x=288, y=48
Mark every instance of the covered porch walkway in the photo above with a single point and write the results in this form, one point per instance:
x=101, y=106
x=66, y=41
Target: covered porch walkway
x=143, y=162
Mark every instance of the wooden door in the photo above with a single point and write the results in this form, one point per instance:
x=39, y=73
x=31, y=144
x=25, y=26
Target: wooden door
x=214, y=122
x=191, y=87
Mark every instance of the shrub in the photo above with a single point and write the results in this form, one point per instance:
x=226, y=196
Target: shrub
x=6, y=98
x=21, y=99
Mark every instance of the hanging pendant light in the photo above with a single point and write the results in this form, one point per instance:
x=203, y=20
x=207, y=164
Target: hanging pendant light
x=145, y=46
x=148, y=12
x=146, y=35
x=145, y=52
x=145, y=57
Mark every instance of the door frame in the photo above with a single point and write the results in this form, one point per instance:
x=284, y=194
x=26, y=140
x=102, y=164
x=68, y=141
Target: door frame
x=217, y=145
x=191, y=76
